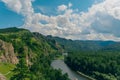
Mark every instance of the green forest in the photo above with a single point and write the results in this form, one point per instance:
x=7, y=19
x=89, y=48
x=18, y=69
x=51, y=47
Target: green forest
x=101, y=65
x=97, y=59
x=34, y=53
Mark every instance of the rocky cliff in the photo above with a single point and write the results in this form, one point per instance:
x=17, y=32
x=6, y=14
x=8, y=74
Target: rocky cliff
x=7, y=53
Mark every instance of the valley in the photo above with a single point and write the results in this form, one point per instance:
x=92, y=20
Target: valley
x=27, y=54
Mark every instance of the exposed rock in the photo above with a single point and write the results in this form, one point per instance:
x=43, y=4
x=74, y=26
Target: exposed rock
x=2, y=77
x=7, y=53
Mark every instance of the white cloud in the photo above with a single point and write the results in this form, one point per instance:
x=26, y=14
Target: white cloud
x=104, y=17
x=14, y=5
x=102, y=21
x=23, y=7
x=62, y=8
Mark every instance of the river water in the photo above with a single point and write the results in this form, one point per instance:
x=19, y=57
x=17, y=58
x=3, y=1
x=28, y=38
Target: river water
x=59, y=64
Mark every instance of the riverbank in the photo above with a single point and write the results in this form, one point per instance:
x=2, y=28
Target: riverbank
x=88, y=77
x=59, y=64
x=79, y=73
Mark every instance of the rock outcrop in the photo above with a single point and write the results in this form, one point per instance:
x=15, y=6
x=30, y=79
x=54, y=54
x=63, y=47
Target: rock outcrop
x=2, y=77
x=7, y=53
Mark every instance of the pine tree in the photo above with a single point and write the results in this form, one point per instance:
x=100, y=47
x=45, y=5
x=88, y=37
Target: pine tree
x=21, y=72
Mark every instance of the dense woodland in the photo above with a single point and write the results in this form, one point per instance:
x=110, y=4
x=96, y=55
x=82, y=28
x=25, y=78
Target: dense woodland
x=101, y=65
x=39, y=70
x=98, y=59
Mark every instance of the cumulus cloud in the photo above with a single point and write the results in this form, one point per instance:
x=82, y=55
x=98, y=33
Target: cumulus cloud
x=101, y=21
x=23, y=7
x=104, y=17
x=13, y=5
x=62, y=8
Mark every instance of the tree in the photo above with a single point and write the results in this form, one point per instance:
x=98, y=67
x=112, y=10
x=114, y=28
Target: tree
x=21, y=72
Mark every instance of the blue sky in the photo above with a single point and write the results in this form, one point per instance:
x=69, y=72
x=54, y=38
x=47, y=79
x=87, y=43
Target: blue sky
x=72, y=19
x=52, y=5
x=10, y=18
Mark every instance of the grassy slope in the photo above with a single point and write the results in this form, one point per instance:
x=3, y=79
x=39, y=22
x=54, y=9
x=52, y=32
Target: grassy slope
x=5, y=69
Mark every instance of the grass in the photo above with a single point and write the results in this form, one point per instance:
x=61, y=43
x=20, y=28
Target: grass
x=60, y=57
x=5, y=69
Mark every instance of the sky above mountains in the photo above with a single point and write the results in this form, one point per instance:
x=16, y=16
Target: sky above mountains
x=72, y=19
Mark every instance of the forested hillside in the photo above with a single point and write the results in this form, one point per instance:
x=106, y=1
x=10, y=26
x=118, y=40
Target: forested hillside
x=83, y=45
x=33, y=53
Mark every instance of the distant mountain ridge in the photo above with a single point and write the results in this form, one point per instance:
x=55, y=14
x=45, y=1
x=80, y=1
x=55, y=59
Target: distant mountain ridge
x=86, y=45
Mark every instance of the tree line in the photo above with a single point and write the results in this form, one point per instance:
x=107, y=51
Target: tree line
x=100, y=65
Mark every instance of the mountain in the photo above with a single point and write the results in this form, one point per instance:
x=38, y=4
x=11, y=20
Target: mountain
x=86, y=45
x=27, y=56
x=17, y=39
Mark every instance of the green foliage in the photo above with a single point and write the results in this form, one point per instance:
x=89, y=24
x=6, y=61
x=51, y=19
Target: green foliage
x=39, y=52
x=10, y=30
x=83, y=45
x=100, y=65
x=21, y=71
x=5, y=68
x=101, y=76
x=41, y=70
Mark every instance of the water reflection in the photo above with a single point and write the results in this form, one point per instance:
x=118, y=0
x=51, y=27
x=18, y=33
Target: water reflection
x=59, y=64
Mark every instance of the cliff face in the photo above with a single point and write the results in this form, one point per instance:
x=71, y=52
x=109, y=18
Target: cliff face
x=7, y=53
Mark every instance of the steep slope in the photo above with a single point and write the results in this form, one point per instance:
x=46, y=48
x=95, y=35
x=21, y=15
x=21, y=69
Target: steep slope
x=22, y=38
x=7, y=53
x=31, y=52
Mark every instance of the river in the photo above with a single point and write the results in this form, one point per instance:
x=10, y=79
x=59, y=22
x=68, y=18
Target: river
x=59, y=64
